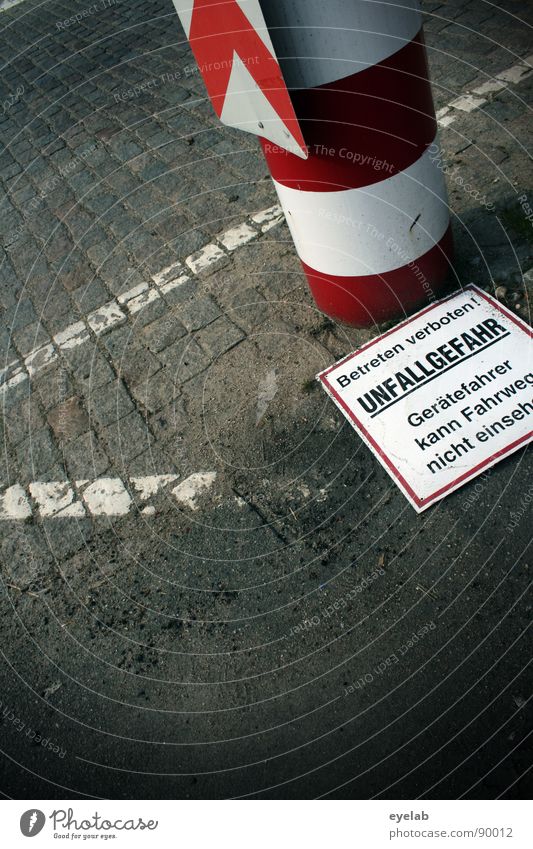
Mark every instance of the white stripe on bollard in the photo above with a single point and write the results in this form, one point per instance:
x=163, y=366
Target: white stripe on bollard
x=371, y=230
x=318, y=42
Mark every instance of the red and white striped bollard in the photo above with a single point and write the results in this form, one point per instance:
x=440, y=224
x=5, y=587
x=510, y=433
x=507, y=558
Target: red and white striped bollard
x=339, y=94
x=368, y=209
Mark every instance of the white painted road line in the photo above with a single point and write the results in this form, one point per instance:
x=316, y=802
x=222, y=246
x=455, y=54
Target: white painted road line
x=55, y=498
x=489, y=87
x=132, y=293
x=268, y=218
x=165, y=288
x=107, y=497
x=12, y=376
x=467, y=103
x=470, y=101
x=14, y=503
x=104, y=496
x=188, y=491
x=106, y=317
x=40, y=358
x=517, y=73
x=168, y=273
x=238, y=236
x=111, y=315
x=135, y=305
x=73, y=335
x=8, y=4
x=148, y=486
x=205, y=258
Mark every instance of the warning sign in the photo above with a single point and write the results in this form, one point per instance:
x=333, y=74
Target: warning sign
x=442, y=396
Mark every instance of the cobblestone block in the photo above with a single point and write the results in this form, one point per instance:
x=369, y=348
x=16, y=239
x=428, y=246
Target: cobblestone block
x=38, y=457
x=84, y=457
x=250, y=165
x=140, y=364
x=7, y=351
x=89, y=368
x=10, y=285
x=123, y=182
x=75, y=271
x=141, y=244
x=102, y=162
x=58, y=244
x=91, y=295
x=219, y=337
x=170, y=423
x=111, y=403
x=30, y=337
x=68, y=420
x=82, y=181
x=124, y=147
x=226, y=208
x=55, y=307
x=120, y=274
x=19, y=315
x=174, y=152
x=127, y=438
x=123, y=224
x=147, y=308
x=53, y=386
x=172, y=223
x=41, y=222
x=79, y=222
x=100, y=202
x=164, y=257
x=184, y=359
x=100, y=252
x=152, y=172
x=118, y=343
x=175, y=292
x=248, y=308
x=155, y=392
x=65, y=537
x=164, y=332
x=22, y=420
x=198, y=313
x=15, y=394
x=10, y=171
x=189, y=242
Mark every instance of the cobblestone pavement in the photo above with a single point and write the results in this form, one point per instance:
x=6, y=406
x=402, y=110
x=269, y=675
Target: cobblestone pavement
x=201, y=562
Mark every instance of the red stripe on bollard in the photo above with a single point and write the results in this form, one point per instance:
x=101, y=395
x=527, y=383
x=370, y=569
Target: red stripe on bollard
x=365, y=300
x=363, y=128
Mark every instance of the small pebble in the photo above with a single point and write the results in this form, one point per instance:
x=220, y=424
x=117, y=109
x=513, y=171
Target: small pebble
x=500, y=292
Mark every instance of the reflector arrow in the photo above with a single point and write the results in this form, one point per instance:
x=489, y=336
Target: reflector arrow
x=236, y=58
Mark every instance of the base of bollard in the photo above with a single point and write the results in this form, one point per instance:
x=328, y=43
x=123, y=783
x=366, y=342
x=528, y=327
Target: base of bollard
x=373, y=299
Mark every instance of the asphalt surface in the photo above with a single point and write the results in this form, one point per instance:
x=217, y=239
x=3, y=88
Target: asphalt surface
x=284, y=625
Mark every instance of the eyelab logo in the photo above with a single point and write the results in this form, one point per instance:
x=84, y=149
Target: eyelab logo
x=32, y=822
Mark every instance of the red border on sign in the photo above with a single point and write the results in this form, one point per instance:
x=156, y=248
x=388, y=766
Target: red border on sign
x=435, y=496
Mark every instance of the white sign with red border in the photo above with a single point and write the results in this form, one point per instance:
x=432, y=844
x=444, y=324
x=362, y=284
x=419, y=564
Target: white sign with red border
x=442, y=396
